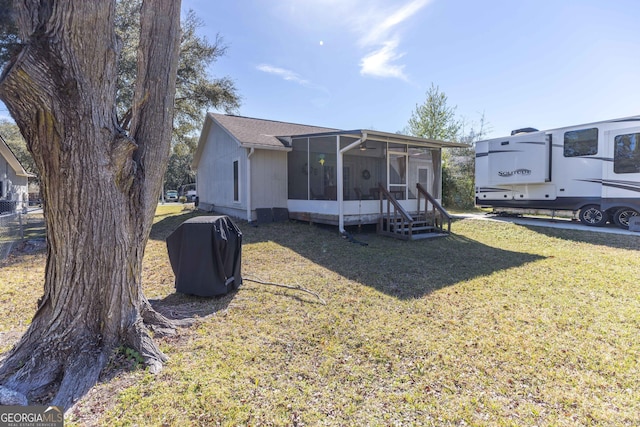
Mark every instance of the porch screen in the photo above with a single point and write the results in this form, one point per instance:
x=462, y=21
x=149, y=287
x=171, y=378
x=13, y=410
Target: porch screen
x=424, y=168
x=298, y=169
x=322, y=168
x=311, y=165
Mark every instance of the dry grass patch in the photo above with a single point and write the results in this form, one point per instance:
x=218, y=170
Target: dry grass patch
x=498, y=324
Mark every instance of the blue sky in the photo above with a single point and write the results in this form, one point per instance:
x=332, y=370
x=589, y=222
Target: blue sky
x=366, y=63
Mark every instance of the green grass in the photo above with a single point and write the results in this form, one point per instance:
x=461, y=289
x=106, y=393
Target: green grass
x=498, y=324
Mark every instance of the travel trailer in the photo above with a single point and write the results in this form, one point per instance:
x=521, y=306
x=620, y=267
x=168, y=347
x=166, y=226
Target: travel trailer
x=593, y=169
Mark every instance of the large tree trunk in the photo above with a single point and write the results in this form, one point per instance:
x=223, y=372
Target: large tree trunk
x=100, y=186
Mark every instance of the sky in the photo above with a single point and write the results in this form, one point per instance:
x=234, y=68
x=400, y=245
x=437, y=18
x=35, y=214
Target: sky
x=354, y=64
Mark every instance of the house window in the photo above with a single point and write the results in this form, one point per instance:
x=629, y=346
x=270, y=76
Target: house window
x=236, y=182
x=626, y=158
x=1, y=189
x=583, y=142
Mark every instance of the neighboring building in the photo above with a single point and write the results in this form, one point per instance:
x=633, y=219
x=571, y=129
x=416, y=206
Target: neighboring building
x=243, y=164
x=14, y=184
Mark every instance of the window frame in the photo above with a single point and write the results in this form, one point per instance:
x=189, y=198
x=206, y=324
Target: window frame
x=570, y=150
x=236, y=180
x=634, y=153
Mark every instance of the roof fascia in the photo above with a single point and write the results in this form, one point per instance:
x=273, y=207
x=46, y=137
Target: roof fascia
x=373, y=135
x=12, y=160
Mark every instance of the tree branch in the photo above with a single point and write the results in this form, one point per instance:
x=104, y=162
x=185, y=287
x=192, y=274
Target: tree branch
x=281, y=285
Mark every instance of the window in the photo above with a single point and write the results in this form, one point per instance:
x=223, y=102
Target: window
x=583, y=142
x=236, y=182
x=626, y=158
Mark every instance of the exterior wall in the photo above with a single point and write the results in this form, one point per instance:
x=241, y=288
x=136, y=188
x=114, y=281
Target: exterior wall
x=268, y=179
x=215, y=174
x=13, y=187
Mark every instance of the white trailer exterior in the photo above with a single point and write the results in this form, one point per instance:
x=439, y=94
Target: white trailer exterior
x=592, y=168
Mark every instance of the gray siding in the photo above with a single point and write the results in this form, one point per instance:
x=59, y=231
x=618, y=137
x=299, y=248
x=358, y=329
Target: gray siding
x=215, y=173
x=269, y=179
x=13, y=187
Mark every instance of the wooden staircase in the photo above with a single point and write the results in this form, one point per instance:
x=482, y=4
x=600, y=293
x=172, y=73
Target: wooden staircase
x=396, y=222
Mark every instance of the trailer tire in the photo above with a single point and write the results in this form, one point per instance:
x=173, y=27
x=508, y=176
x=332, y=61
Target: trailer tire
x=622, y=216
x=593, y=215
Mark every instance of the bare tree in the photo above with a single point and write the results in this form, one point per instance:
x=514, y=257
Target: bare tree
x=100, y=185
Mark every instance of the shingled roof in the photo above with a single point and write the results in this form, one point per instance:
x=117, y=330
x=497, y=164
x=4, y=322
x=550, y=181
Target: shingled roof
x=258, y=132
x=273, y=135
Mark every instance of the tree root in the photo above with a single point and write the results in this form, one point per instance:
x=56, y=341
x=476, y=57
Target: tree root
x=58, y=371
x=160, y=324
x=282, y=285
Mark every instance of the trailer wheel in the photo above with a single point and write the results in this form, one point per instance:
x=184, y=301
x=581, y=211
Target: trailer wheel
x=593, y=215
x=622, y=216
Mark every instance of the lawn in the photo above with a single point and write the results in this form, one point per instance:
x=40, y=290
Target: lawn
x=498, y=324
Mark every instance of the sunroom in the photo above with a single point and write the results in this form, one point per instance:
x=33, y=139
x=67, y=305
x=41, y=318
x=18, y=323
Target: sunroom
x=379, y=172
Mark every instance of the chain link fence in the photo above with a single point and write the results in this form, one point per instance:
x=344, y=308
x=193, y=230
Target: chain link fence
x=11, y=231
x=26, y=228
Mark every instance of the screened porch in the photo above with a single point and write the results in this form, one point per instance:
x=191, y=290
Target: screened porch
x=334, y=178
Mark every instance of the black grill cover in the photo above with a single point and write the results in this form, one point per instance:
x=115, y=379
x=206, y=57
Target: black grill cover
x=205, y=255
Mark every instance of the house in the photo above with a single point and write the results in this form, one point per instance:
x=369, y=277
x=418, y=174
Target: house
x=13, y=181
x=245, y=166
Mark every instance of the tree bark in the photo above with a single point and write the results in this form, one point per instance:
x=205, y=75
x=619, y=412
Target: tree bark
x=100, y=186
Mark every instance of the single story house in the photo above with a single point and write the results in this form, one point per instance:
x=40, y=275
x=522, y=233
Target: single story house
x=318, y=174
x=14, y=185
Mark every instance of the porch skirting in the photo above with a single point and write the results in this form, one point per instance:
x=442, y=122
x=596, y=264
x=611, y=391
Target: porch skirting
x=332, y=219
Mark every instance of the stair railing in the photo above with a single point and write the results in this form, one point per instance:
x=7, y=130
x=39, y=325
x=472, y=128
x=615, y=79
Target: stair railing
x=395, y=215
x=437, y=212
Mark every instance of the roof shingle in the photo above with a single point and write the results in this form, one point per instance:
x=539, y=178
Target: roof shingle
x=250, y=131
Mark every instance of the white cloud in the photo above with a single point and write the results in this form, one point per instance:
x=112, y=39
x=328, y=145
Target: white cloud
x=292, y=76
x=383, y=36
x=285, y=74
x=380, y=62
x=378, y=26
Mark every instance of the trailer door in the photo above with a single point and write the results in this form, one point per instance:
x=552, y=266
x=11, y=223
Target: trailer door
x=519, y=159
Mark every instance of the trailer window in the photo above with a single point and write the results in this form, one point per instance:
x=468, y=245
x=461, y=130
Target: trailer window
x=626, y=158
x=583, y=142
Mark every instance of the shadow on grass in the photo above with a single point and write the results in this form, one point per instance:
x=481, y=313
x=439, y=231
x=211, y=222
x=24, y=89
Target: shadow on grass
x=403, y=269
x=180, y=306
x=612, y=240
x=163, y=228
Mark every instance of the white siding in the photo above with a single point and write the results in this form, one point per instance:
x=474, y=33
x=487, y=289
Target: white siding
x=269, y=179
x=13, y=187
x=215, y=173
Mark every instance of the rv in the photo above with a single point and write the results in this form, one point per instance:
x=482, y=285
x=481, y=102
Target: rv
x=593, y=169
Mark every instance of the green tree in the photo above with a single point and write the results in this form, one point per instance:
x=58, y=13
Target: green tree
x=11, y=134
x=196, y=90
x=458, y=170
x=434, y=119
x=99, y=183
x=9, y=42
x=179, y=171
